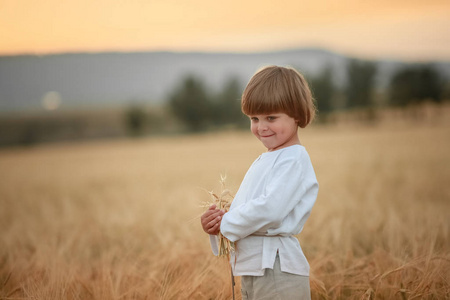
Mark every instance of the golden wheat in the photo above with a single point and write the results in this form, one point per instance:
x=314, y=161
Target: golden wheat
x=120, y=219
x=223, y=202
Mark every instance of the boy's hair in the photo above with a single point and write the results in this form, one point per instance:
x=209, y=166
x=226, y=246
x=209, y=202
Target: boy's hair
x=275, y=89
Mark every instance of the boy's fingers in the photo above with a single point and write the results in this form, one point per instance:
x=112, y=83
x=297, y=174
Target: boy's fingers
x=208, y=215
x=211, y=219
x=214, y=229
x=214, y=222
x=213, y=215
x=212, y=225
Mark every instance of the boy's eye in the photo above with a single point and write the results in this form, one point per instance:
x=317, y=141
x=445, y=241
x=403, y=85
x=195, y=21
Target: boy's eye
x=254, y=118
x=271, y=118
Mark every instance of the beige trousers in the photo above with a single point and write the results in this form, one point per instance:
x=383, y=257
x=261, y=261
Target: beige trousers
x=275, y=285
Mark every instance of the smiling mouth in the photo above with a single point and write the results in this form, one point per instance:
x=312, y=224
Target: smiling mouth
x=266, y=136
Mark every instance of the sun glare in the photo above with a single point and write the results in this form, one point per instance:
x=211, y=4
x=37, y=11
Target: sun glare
x=51, y=100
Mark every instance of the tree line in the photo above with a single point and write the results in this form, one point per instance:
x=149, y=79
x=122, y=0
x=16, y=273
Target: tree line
x=192, y=106
x=192, y=103
x=196, y=107
x=410, y=85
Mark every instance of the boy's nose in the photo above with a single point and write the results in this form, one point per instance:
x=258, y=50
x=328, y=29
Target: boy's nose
x=262, y=126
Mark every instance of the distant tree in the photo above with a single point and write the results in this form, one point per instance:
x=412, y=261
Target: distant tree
x=29, y=133
x=415, y=84
x=135, y=119
x=190, y=103
x=323, y=90
x=361, y=76
x=227, y=105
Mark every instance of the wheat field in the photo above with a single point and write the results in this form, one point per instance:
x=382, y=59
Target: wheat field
x=119, y=219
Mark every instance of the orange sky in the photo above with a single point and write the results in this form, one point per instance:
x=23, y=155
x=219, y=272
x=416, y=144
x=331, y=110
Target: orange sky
x=409, y=30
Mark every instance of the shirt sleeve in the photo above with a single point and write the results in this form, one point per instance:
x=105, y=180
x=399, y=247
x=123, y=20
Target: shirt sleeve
x=285, y=190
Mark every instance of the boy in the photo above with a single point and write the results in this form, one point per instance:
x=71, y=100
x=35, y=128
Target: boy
x=277, y=193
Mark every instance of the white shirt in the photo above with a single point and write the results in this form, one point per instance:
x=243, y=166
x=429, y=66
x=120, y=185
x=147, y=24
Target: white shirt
x=274, y=199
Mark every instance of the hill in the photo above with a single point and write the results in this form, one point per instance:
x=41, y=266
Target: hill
x=86, y=79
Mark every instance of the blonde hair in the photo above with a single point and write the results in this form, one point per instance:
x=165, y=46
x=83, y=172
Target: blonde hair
x=275, y=89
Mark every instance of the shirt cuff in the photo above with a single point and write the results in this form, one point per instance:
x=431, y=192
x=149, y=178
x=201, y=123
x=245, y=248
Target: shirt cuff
x=214, y=244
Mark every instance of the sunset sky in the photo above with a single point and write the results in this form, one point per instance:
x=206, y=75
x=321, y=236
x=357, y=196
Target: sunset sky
x=400, y=29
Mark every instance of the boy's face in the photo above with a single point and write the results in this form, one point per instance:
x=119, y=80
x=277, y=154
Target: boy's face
x=275, y=131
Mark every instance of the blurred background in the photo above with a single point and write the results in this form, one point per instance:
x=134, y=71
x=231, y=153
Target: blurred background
x=77, y=70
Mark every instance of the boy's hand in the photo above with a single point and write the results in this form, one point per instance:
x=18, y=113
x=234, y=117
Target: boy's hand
x=211, y=220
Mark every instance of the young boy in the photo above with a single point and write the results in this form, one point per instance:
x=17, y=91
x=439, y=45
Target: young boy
x=277, y=193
